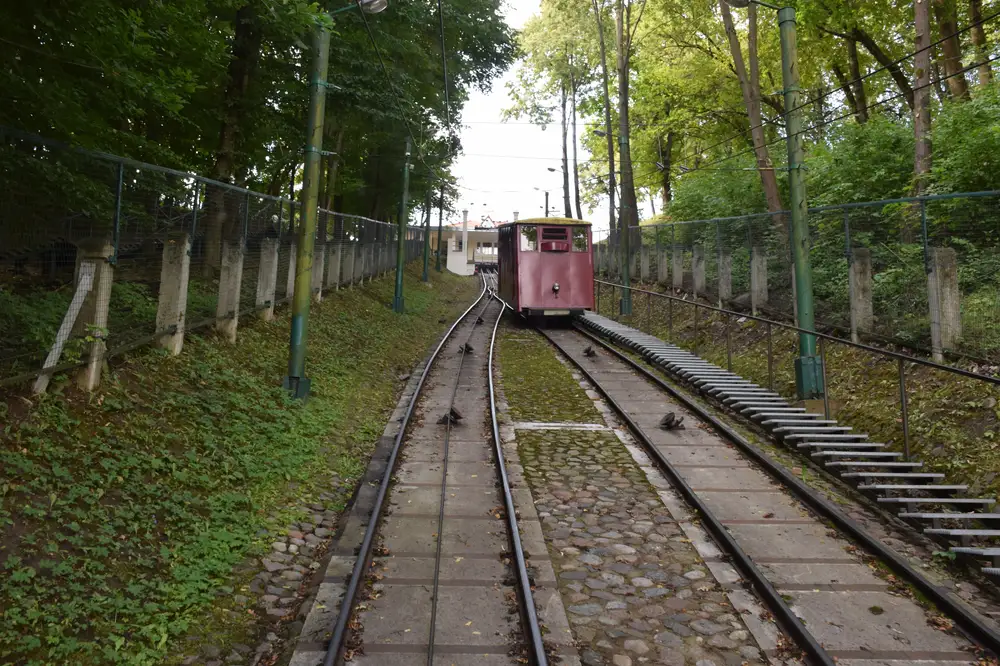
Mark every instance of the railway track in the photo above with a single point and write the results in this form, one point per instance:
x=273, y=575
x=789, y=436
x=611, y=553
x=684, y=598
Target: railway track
x=820, y=592
x=440, y=574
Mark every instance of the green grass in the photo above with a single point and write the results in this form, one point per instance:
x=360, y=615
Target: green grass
x=125, y=513
x=537, y=386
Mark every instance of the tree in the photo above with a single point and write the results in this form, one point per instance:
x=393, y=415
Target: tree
x=921, y=96
x=750, y=85
x=624, y=36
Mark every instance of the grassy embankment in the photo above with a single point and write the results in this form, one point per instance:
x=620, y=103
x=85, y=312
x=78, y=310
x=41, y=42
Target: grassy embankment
x=125, y=515
x=954, y=422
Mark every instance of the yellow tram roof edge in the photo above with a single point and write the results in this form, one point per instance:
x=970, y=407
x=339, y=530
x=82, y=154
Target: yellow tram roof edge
x=548, y=221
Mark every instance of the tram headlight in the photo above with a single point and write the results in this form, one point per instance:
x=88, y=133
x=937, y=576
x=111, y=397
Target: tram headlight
x=555, y=287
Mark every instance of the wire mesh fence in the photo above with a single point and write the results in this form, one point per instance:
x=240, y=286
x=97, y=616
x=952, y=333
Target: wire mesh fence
x=100, y=254
x=923, y=272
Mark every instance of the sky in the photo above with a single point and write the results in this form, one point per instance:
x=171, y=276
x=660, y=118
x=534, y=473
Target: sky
x=503, y=163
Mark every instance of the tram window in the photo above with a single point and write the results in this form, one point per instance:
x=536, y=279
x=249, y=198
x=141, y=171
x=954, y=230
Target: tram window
x=529, y=238
x=579, y=239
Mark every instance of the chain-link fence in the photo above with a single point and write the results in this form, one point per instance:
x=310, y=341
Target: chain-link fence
x=923, y=272
x=100, y=254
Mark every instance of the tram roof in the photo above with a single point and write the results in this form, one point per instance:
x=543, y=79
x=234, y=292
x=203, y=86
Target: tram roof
x=549, y=221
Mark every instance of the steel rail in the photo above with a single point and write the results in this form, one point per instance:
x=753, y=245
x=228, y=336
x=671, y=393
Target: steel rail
x=336, y=644
x=965, y=618
x=529, y=614
x=444, y=477
x=792, y=625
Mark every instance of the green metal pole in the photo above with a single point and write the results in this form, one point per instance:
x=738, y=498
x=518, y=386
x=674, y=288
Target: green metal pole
x=623, y=220
x=437, y=260
x=427, y=237
x=808, y=373
x=296, y=381
x=401, y=245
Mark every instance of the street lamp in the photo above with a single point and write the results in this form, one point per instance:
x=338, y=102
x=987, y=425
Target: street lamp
x=296, y=382
x=808, y=368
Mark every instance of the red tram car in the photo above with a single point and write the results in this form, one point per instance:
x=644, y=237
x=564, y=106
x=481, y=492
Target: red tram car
x=546, y=266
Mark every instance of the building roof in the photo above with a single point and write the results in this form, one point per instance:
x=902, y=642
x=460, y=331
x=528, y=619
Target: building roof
x=549, y=221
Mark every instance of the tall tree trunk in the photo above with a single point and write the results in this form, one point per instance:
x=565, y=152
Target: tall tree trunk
x=750, y=85
x=922, y=97
x=666, y=153
x=242, y=66
x=946, y=13
x=612, y=229
x=629, y=215
x=858, y=85
x=576, y=163
x=884, y=60
x=567, y=210
x=942, y=94
x=979, y=41
x=334, y=170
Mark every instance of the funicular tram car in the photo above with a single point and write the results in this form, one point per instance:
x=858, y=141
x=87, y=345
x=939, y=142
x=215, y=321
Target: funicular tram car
x=546, y=266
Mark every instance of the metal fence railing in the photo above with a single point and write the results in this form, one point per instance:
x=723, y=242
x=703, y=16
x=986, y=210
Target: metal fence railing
x=100, y=254
x=923, y=271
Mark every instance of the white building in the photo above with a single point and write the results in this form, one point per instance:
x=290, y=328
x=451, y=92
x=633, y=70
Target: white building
x=467, y=245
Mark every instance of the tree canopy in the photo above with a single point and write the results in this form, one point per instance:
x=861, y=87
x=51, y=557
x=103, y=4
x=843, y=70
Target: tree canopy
x=220, y=87
x=706, y=109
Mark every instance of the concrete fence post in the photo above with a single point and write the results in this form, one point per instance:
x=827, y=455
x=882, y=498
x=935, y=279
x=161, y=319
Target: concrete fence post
x=359, y=263
x=171, y=309
x=93, y=317
x=860, y=285
x=347, y=264
x=318, y=271
x=227, y=310
x=662, y=267
x=677, y=267
x=644, y=263
x=698, y=269
x=725, y=277
x=267, y=279
x=290, y=278
x=758, y=277
x=333, y=266
x=944, y=301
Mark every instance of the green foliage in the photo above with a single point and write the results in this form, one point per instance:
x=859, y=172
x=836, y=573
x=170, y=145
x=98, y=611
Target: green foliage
x=703, y=195
x=967, y=144
x=862, y=163
x=221, y=89
x=122, y=514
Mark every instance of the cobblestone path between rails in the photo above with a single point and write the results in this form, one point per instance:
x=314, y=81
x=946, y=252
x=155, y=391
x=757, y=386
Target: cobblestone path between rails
x=635, y=589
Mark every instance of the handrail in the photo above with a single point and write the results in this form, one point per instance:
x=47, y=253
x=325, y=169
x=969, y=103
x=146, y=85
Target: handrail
x=818, y=334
